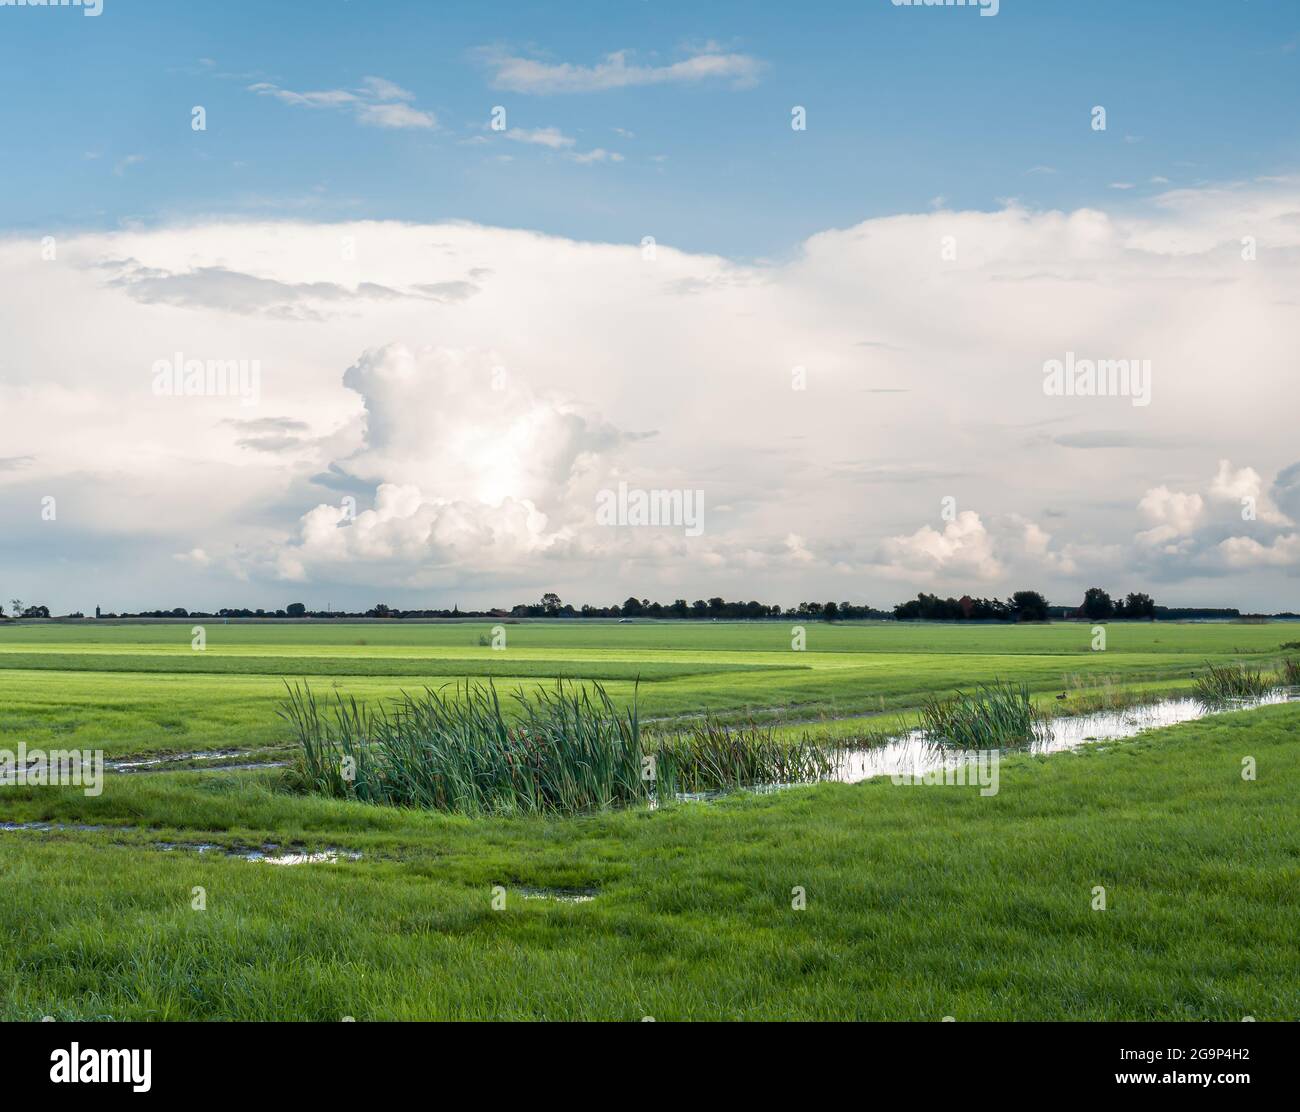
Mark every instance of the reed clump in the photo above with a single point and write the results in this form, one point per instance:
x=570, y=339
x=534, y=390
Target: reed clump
x=564, y=750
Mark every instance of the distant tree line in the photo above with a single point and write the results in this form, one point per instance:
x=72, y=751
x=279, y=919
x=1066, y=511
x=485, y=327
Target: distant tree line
x=551, y=606
x=1022, y=606
x=1184, y=613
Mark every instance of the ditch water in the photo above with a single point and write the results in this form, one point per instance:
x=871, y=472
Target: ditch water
x=915, y=754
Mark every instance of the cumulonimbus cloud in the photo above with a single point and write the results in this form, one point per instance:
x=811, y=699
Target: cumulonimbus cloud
x=838, y=397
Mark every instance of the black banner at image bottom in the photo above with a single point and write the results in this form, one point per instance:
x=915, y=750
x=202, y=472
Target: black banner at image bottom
x=139, y=1060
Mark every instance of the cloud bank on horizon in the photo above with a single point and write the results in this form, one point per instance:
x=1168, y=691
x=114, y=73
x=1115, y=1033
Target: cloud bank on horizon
x=439, y=407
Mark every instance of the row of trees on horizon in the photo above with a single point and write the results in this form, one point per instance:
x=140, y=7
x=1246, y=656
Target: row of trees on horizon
x=1022, y=606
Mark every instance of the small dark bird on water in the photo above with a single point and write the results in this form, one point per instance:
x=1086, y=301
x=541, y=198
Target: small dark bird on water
x=1062, y=695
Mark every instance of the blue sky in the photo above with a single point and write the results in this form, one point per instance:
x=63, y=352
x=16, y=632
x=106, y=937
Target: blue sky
x=904, y=106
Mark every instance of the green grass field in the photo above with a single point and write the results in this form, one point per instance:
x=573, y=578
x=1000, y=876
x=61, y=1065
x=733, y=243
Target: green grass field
x=921, y=902
x=142, y=688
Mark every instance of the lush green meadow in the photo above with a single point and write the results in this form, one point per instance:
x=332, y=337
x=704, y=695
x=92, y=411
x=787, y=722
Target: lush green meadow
x=141, y=688
x=921, y=901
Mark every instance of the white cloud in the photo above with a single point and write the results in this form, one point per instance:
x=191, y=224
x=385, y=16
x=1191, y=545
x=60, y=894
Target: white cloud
x=394, y=116
x=456, y=422
x=382, y=89
x=963, y=548
x=554, y=139
x=1194, y=534
x=527, y=75
x=1036, y=544
x=1245, y=488
x=798, y=549
x=415, y=538
x=550, y=137
x=378, y=102
x=1173, y=514
x=1246, y=552
x=597, y=155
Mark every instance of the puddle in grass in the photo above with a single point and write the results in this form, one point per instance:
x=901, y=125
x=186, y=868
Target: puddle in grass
x=199, y=758
x=329, y=856
x=254, y=766
x=270, y=852
x=267, y=853
x=561, y=895
x=46, y=826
